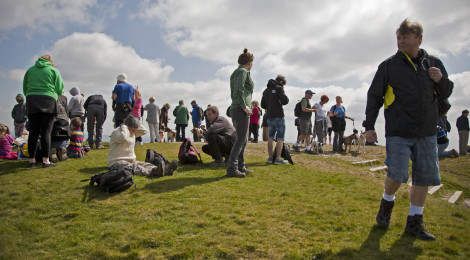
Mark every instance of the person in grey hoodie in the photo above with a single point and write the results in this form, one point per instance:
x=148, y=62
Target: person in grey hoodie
x=75, y=106
x=19, y=115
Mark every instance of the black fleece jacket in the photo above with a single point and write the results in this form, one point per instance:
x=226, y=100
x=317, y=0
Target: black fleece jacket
x=273, y=99
x=414, y=111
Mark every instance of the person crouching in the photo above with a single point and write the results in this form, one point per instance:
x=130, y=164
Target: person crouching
x=220, y=137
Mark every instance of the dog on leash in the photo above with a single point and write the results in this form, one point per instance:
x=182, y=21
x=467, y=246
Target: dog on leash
x=199, y=133
x=361, y=142
x=170, y=135
x=348, y=140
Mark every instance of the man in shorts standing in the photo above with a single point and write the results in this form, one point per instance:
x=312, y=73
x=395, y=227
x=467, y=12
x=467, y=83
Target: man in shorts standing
x=305, y=122
x=404, y=84
x=273, y=99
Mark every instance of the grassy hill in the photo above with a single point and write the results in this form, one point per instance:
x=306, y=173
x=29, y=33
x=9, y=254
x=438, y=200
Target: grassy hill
x=322, y=207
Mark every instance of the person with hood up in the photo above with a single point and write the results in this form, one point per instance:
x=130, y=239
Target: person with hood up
x=273, y=99
x=42, y=84
x=19, y=115
x=76, y=105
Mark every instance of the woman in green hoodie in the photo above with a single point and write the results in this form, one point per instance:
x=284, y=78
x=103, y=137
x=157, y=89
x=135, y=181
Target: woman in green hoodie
x=42, y=84
x=241, y=89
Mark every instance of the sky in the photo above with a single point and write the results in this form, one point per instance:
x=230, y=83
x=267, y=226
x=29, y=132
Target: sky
x=187, y=49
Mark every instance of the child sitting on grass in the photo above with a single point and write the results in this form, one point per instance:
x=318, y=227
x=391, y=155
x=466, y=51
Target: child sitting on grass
x=75, y=148
x=5, y=143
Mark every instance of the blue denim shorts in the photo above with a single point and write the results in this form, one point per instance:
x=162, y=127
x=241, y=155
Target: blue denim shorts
x=423, y=154
x=277, y=128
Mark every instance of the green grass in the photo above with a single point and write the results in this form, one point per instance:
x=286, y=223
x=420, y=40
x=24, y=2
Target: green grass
x=322, y=207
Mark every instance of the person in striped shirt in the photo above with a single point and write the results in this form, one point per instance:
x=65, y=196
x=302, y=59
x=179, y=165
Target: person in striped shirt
x=75, y=148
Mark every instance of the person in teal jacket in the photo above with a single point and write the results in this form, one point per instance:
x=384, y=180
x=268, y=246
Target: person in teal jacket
x=42, y=84
x=181, y=120
x=241, y=90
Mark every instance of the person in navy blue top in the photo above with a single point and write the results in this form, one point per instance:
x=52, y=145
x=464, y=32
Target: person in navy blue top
x=123, y=95
x=338, y=117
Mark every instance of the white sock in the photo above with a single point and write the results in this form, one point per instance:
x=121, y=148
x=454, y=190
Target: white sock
x=415, y=210
x=296, y=144
x=308, y=148
x=388, y=197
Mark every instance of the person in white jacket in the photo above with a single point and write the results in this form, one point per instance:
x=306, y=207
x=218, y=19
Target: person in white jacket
x=121, y=151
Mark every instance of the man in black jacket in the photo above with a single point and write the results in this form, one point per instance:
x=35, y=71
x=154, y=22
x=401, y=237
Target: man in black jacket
x=95, y=109
x=463, y=127
x=273, y=99
x=405, y=84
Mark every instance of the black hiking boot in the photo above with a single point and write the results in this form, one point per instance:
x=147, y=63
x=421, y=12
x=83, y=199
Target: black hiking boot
x=171, y=168
x=415, y=226
x=385, y=211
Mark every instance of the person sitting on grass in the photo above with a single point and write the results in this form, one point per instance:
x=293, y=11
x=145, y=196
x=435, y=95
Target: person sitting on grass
x=121, y=150
x=220, y=137
x=75, y=148
x=6, y=140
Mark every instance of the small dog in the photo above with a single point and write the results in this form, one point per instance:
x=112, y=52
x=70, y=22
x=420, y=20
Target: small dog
x=361, y=142
x=347, y=140
x=199, y=133
x=170, y=134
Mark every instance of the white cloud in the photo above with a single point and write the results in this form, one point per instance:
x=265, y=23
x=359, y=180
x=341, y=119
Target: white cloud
x=313, y=41
x=40, y=14
x=14, y=75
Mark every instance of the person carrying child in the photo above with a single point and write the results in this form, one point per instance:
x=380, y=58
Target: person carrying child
x=6, y=140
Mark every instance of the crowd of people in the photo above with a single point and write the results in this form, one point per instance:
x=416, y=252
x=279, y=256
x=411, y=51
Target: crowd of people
x=415, y=131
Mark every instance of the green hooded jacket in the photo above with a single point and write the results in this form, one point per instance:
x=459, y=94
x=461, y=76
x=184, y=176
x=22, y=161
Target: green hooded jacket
x=43, y=79
x=241, y=88
x=182, y=115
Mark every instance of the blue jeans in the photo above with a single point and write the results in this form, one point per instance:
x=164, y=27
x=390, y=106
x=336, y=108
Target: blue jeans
x=423, y=154
x=441, y=150
x=241, y=122
x=277, y=128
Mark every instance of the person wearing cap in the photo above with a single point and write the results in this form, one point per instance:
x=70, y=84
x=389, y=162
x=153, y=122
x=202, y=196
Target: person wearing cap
x=19, y=115
x=338, y=118
x=305, y=122
x=121, y=150
x=123, y=95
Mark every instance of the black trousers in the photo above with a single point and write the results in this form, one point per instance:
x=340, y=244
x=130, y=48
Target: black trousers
x=123, y=110
x=254, y=129
x=218, y=146
x=40, y=124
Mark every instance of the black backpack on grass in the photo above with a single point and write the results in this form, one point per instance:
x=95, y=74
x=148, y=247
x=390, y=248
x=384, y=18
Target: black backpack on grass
x=119, y=178
x=155, y=158
x=285, y=153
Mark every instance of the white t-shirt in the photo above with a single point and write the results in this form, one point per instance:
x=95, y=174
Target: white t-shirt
x=321, y=112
